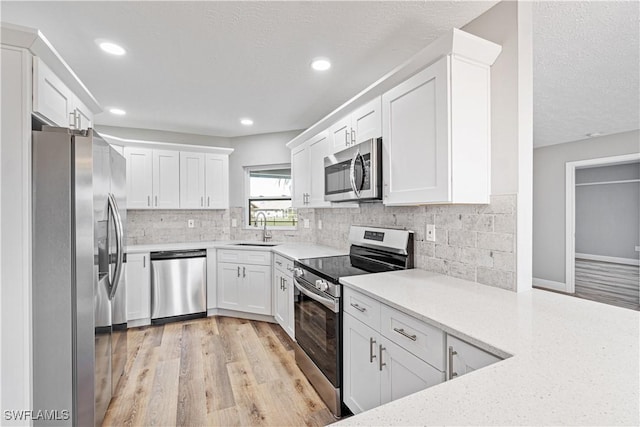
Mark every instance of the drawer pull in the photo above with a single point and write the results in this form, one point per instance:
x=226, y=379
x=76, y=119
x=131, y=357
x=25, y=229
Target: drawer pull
x=279, y=263
x=404, y=334
x=357, y=307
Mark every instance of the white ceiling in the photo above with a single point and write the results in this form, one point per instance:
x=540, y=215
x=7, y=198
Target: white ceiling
x=586, y=68
x=198, y=67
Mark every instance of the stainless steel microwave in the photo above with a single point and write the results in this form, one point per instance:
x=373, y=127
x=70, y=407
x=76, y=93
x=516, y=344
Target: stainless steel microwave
x=354, y=173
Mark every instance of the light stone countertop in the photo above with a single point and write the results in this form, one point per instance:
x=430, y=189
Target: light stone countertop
x=575, y=362
x=290, y=250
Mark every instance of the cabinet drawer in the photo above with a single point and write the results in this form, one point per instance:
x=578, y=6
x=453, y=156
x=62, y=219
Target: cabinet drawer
x=421, y=339
x=244, y=257
x=283, y=264
x=362, y=307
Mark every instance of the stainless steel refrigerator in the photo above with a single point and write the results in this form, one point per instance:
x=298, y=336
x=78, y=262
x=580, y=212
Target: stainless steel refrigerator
x=79, y=296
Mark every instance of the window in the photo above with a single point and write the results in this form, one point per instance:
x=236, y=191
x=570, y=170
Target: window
x=269, y=193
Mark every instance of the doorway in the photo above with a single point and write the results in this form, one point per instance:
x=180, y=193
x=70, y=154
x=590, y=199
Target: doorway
x=603, y=230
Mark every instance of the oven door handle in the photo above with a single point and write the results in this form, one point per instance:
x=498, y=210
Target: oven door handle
x=331, y=304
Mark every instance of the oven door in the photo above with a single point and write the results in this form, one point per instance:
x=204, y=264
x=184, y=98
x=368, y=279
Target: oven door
x=354, y=173
x=318, y=329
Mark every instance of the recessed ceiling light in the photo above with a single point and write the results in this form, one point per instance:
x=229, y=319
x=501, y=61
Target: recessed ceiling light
x=112, y=48
x=246, y=122
x=594, y=134
x=320, y=64
x=117, y=111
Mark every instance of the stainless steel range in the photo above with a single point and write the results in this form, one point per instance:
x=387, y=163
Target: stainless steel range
x=318, y=303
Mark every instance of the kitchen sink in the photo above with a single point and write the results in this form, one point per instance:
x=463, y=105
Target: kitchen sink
x=256, y=244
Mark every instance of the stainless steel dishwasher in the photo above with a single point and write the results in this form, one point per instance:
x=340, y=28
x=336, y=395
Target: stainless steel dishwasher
x=178, y=285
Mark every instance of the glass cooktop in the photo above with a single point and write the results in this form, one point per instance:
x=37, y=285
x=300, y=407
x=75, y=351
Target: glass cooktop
x=334, y=267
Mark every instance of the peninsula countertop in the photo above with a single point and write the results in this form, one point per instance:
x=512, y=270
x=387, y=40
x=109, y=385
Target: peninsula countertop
x=574, y=362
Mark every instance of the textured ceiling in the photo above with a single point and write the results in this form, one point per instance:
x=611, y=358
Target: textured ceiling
x=586, y=58
x=199, y=67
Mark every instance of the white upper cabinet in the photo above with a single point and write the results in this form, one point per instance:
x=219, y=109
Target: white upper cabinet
x=192, y=178
x=166, y=179
x=363, y=124
x=139, y=177
x=153, y=178
x=216, y=181
x=173, y=179
x=204, y=180
x=307, y=172
x=436, y=135
x=54, y=102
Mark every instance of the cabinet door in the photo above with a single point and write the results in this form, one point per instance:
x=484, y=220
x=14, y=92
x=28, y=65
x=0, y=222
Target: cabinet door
x=52, y=100
x=139, y=177
x=216, y=181
x=367, y=121
x=166, y=179
x=228, y=286
x=416, y=139
x=340, y=135
x=84, y=116
x=290, y=295
x=318, y=148
x=281, y=312
x=361, y=370
x=212, y=279
x=403, y=373
x=255, y=294
x=191, y=180
x=300, y=176
x=138, y=290
x=466, y=357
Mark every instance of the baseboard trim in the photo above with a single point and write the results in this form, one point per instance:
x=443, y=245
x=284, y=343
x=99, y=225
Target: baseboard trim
x=549, y=284
x=611, y=259
x=240, y=315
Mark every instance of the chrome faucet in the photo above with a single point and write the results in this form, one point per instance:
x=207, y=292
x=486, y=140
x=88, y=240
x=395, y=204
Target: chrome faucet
x=266, y=234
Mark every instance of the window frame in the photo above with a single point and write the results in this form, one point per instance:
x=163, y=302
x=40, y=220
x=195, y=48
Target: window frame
x=247, y=195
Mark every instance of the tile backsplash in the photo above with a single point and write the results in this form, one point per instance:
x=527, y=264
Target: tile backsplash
x=473, y=242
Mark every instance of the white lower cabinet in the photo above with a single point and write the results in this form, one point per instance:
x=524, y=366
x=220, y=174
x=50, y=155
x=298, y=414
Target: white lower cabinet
x=464, y=357
x=244, y=286
x=212, y=279
x=283, y=292
x=378, y=371
x=137, y=274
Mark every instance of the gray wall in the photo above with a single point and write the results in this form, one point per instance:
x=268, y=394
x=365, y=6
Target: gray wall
x=255, y=150
x=549, y=198
x=608, y=215
x=164, y=136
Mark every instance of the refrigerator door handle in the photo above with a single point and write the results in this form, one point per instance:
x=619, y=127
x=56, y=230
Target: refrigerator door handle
x=113, y=209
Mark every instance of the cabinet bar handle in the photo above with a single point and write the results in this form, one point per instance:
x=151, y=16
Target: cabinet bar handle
x=156, y=201
x=380, y=360
x=238, y=271
x=346, y=137
x=201, y=201
x=404, y=334
x=353, y=136
x=357, y=307
x=371, y=355
x=148, y=200
x=144, y=262
x=244, y=272
x=452, y=353
x=279, y=263
x=284, y=284
x=208, y=200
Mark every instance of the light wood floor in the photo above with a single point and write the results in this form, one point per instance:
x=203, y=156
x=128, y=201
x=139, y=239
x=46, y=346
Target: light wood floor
x=615, y=284
x=216, y=371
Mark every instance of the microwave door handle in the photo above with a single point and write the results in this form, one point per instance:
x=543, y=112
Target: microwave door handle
x=352, y=174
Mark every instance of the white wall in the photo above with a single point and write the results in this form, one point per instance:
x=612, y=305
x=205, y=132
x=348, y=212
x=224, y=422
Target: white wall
x=255, y=150
x=549, y=195
x=509, y=24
